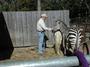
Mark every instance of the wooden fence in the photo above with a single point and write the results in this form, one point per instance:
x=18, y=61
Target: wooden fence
x=22, y=25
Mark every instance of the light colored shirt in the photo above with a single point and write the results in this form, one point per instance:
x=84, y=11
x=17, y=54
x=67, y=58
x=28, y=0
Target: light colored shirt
x=41, y=25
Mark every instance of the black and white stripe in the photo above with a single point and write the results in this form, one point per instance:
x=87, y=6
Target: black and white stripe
x=74, y=38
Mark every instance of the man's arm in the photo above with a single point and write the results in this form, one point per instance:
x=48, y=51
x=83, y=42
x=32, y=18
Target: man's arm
x=45, y=27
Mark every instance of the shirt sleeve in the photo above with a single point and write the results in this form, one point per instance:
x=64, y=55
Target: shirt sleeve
x=44, y=26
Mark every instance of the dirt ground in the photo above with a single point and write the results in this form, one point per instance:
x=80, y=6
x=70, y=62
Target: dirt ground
x=28, y=53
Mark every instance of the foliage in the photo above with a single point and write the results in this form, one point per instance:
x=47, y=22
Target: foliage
x=76, y=7
x=18, y=5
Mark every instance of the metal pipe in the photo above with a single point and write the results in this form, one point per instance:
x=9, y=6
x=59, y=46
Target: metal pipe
x=52, y=62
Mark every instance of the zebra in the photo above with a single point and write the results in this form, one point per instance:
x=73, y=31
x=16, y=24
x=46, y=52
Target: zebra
x=60, y=32
x=74, y=39
x=57, y=38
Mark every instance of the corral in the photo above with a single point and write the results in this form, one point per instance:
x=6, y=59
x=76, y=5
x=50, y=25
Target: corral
x=18, y=29
x=24, y=38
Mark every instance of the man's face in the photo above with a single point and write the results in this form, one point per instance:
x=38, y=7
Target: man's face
x=44, y=18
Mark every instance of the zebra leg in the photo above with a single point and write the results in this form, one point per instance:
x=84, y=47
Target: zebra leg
x=58, y=40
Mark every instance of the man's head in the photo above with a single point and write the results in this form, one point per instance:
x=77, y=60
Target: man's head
x=44, y=16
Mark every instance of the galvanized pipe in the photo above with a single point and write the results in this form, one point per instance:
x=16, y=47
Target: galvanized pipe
x=52, y=62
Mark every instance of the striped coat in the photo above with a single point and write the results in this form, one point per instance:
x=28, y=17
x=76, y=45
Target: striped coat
x=74, y=39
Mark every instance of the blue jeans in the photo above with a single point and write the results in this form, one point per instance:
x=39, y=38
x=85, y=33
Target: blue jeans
x=41, y=43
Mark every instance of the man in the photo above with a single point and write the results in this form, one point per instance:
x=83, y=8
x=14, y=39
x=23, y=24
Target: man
x=41, y=28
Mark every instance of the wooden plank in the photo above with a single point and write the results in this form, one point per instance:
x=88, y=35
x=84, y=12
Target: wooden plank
x=66, y=17
x=33, y=30
x=13, y=35
x=25, y=30
x=19, y=30
x=29, y=27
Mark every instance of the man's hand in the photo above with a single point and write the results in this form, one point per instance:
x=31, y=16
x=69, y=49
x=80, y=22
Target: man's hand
x=50, y=29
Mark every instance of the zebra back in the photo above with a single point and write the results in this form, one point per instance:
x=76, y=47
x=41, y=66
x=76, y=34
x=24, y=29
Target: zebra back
x=74, y=38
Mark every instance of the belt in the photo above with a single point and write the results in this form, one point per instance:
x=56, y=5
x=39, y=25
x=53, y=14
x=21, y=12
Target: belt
x=41, y=31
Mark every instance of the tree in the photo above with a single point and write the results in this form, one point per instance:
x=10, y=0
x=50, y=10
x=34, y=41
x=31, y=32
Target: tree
x=18, y=5
x=76, y=7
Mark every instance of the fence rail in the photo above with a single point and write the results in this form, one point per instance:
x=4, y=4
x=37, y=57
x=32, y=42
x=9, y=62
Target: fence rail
x=22, y=25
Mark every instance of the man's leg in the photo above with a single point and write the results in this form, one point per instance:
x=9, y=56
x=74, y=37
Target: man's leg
x=44, y=42
x=41, y=38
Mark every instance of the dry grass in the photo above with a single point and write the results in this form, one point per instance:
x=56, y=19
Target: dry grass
x=29, y=53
